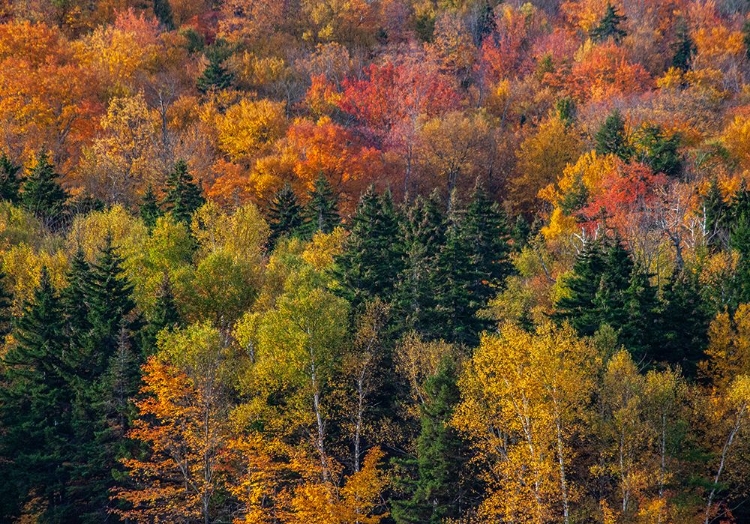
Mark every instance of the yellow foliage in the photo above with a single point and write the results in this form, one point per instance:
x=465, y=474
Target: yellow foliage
x=320, y=252
x=23, y=265
x=728, y=347
x=249, y=127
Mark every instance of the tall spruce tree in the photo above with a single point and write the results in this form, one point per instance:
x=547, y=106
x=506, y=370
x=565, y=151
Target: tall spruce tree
x=611, y=137
x=42, y=194
x=149, y=210
x=716, y=216
x=578, y=305
x=455, y=293
x=435, y=489
x=164, y=316
x=75, y=303
x=183, y=195
x=321, y=212
x=684, y=48
x=422, y=237
x=684, y=323
x=215, y=77
x=372, y=257
x=284, y=215
x=609, y=26
x=163, y=13
x=659, y=152
x=36, y=409
x=641, y=332
x=486, y=231
x=9, y=180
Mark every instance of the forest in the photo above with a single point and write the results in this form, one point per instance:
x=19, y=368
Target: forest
x=375, y=261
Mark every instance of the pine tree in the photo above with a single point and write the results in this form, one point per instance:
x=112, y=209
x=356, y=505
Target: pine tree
x=423, y=236
x=684, y=48
x=165, y=315
x=611, y=137
x=739, y=240
x=578, y=306
x=566, y=110
x=436, y=491
x=373, y=257
x=321, y=212
x=163, y=13
x=41, y=193
x=486, y=231
x=520, y=234
x=9, y=181
x=716, y=214
x=149, y=210
x=658, y=152
x=640, y=332
x=6, y=300
x=455, y=292
x=684, y=323
x=284, y=215
x=609, y=26
x=183, y=196
x=215, y=77
x=35, y=409
x=74, y=302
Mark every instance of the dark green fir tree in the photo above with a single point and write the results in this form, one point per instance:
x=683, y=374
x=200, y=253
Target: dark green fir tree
x=41, y=193
x=684, y=48
x=373, y=257
x=434, y=479
x=659, y=152
x=611, y=137
x=609, y=26
x=10, y=182
x=486, y=230
x=284, y=215
x=215, y=77
x=163, y=13
x=183, y=196
x=149, y=210
x=165, y=315
x=321, y=212
x=423, y=237
x=36, y=409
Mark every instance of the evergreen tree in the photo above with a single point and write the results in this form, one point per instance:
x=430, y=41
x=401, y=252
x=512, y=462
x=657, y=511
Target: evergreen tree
x=149, y=210
x=9, y=181
x=183, y=196
x=578, y=306
x=422, y=236
x=436, y=489
x=35, y=410
x=716, y=215
x=486, y=231
x=746, y=37
x=6, y=300
x=373, y=257
x=739, y=240
x=657, y=151
x=284, y=215
x=455, y=291
x=42, y=194
x=684, y=48
x=165, y=315
x=640, y=332
x=611, y=137
x=566, y=110
x=74, y=302
x=163, y=13
x=684, y=322
x=520, y=234
x=609, y=26
x=215, y=77
x=321, y=212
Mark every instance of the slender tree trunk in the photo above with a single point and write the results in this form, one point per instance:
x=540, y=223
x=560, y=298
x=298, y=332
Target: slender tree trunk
x=722, y=462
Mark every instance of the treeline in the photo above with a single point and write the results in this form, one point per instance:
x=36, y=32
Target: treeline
x=189, y=364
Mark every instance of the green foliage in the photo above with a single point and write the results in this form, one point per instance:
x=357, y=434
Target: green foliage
x=657, y=151
x=435, y=490
x=163, y=13
x=9, y=181
x=183, y=196
x=41, y=193
x=321, y=211
x=149, y=210
x=609, y=26
x=684, y=48
x=215, y=77
x=611, y=137
x=372, y=257
x=284, y=215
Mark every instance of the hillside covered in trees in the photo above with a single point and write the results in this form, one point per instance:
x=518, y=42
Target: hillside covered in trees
x=375, y=261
